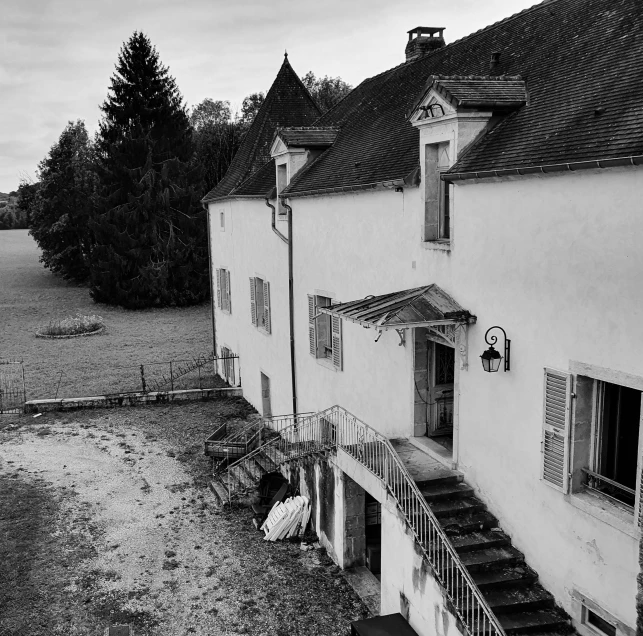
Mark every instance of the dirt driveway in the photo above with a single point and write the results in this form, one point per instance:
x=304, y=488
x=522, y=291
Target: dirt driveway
x=105, y=519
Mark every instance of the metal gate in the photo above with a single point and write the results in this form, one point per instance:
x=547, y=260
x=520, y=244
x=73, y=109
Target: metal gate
x=12, y=386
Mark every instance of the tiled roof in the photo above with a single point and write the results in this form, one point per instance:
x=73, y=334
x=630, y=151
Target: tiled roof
x=259, y=183
x=480, y=92
x=580, y=60
x=307, y=137
x=288, y=103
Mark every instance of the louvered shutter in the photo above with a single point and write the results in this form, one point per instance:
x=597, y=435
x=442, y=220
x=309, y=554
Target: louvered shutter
x=266, y=306
x=228, y=292
x=218, y=274
x=253, y=302
x=312, y=335
x=336, y=334
x=640, y=501
x=556, y=425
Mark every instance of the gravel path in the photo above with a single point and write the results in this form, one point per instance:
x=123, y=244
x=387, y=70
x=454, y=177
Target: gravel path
x=161, y=558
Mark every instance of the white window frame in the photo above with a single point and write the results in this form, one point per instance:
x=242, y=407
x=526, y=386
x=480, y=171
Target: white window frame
x=593, y=502
x=437, y=227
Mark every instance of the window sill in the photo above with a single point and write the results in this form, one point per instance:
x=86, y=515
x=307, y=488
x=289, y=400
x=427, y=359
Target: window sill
x=442, y=246
x=327, y=363
x=600, y=508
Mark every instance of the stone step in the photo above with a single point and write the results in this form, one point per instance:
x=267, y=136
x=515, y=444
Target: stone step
x=242, y=475
x=433, y=491
x=491, y=558
x=507, y=576
x=480, y=540
x=456, y=507
x=219, y=491
x=266, y=464
x=468, y=522
x=519, y=599
x=538, y=621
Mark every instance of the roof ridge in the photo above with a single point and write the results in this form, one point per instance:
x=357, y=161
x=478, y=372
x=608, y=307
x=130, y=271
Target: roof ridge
x=501, y=78
x=308, y=128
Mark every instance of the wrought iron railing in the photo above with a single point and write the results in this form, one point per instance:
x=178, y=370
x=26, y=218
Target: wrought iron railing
x=609, y=488
x=337, y=428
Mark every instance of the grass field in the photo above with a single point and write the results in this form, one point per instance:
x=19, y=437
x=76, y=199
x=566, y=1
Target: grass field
x=31, y=296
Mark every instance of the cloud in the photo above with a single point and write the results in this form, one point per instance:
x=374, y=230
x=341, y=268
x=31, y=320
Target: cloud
x=59, y=55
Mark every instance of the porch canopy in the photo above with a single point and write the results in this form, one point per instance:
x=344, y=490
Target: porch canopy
x=420, y=307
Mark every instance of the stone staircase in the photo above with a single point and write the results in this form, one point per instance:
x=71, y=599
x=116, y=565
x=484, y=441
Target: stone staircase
x=243, y=479
x=508, y=584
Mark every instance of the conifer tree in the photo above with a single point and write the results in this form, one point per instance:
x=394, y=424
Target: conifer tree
x=61, y=204
x=149, y=228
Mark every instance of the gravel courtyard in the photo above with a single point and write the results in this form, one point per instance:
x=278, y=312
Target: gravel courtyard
x=106, y=518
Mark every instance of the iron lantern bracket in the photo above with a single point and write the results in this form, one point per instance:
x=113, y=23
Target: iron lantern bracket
x=492, y=340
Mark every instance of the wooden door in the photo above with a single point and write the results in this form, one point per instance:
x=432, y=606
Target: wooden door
x=441, y=375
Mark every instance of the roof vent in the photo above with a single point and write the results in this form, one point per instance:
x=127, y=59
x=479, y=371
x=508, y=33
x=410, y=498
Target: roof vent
x=494, y=61
x=423, y=40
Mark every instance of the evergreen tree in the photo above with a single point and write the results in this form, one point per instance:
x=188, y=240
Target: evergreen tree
x=150, y=230
x=61, y=204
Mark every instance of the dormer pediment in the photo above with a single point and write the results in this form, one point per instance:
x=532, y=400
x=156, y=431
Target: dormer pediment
x=432, y=107
x=278, y=147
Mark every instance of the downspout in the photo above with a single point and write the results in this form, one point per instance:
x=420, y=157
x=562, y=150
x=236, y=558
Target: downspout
x=274, y=227
x=291, y=303
x=214, y=330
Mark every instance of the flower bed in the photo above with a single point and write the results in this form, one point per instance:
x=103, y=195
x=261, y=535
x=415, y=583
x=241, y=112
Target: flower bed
x=72, y=327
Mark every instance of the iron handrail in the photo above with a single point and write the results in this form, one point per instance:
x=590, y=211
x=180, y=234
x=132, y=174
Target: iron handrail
x=337, y=428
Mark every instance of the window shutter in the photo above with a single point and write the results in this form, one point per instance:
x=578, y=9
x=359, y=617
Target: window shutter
x=556, y=428
x=253, y=303
x=228, y=292
x=336, y=334
x=266, y=305
x=219, y=288
x=312, y=335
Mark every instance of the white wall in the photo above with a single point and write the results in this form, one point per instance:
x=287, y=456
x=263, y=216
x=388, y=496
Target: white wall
x=404, y=572
x=350, y=246
x=248, y=247
x=557, y=262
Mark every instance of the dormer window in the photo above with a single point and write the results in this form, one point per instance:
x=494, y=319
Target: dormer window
x=437, y=193
x=282, y=182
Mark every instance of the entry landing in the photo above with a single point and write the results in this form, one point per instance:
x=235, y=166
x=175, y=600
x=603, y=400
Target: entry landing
x=422, y=467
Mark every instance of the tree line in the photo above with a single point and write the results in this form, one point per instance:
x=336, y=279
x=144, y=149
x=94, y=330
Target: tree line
x=121, y=211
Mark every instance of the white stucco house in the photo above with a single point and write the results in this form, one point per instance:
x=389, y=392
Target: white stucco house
x=484, y=192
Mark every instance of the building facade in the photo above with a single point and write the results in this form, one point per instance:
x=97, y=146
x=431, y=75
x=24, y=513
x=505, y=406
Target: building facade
x=485, y=192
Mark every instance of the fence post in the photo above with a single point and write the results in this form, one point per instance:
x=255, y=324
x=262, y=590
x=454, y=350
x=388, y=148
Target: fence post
x=58, y=387
x=171, y=377
x=143, y=377
x=199, y=370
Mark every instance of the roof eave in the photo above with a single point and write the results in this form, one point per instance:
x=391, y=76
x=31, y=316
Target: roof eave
x=572, y=166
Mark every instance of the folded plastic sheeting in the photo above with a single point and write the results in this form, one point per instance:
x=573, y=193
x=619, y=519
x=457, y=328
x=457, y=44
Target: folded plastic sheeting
x=287, y=519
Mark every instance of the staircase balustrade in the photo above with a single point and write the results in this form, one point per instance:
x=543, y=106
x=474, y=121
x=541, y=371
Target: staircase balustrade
x=301, y=435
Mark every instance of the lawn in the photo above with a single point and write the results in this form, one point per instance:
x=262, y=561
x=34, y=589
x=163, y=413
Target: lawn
x=31, y=296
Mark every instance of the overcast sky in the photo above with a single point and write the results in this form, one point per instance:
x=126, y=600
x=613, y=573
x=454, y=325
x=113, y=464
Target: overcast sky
x=57, y=56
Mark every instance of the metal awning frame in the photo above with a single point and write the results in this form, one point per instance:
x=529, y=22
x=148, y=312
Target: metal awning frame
x=469, y=320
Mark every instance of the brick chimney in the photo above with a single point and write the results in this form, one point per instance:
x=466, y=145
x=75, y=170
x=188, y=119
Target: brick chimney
x=423, y=40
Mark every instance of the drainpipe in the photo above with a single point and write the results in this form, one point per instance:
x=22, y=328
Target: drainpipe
x=214, y=330
x=274, y=227
x=291, y=304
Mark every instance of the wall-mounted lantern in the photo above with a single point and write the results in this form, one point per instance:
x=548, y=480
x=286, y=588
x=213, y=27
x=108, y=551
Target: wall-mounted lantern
x=491, y=358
